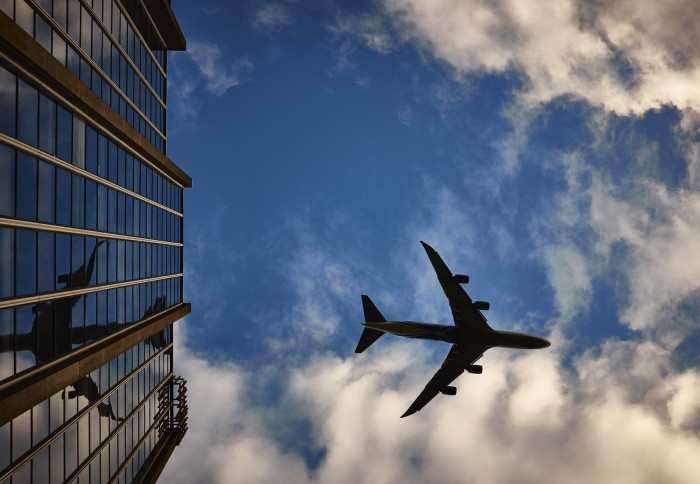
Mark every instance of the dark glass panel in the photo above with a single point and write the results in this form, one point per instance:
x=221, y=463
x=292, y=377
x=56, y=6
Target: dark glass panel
x=121, y=260
x=102, y=207
x=78, y=208
x=7, y=262
x=102, y=254
x=74, y=20
x=7, y=181
x=43, y=33
x=129, y=216
x=47, y=192
x=27, y=113
x=91, y=317
x=73, y=60
x=24, y=17
x=91, y=150
x=112, y=306
x=121, y=168
x=91, y=249
x=25, y=280
x=27, y=181
x=7, y=363
x=102, y=153
x=85, y=30
x=121, y=212
x=77, y=266
x=112, y=162
x=90, y=204
x=63, y=245
x=59, y=48
x=112, y=262
x=64, y=195
x=60, y=9
x=46, y=263
x=8, y=101
x=96, y=43
x=77, y=324
x=121, y=306
x=25, y=346
x=47, y=124
x=64, y=146
x=112, y=210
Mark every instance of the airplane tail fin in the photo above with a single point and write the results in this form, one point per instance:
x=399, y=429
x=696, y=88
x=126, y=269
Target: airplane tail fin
x=372, y=315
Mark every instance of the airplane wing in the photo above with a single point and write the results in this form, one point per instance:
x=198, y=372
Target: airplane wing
x=457, y=360
x=463, y=312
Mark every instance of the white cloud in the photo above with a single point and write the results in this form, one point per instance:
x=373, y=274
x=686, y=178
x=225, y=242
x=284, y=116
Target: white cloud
x=627, y=56
x=219, y=73
x=270, y=17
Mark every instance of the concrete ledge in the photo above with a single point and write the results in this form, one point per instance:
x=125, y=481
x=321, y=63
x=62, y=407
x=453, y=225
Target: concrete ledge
x=26, y=389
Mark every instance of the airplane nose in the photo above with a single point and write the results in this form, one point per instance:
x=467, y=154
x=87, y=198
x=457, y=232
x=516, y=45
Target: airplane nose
x=545, y=343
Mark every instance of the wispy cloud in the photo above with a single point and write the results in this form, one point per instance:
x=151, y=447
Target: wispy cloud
x=271, y=17
x=203, y=67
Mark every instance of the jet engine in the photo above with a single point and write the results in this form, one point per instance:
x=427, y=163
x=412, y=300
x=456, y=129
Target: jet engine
x=448, y=390
x=460, y=279
x=476, y=369
x=481, y=305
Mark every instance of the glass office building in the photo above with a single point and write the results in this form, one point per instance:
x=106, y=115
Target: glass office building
x=91, y=247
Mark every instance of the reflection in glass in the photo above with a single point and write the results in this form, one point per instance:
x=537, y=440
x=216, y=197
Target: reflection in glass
x=7, y=180
x=25, y=280
x=47, y=187
x=47, y=124
x=8, y=100
x=63, y=197
x=78, y=142
x=78, y=207
x=46, y=276
x=27, y=113
x=27, y=179
x=7, y=262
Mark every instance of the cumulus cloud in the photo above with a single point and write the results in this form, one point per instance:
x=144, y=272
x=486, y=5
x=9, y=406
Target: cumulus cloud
x=219, y=75
x=627, y=56
x=528, y=419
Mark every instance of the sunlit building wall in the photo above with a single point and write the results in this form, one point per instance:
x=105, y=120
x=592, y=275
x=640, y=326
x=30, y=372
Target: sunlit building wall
x=91, y=248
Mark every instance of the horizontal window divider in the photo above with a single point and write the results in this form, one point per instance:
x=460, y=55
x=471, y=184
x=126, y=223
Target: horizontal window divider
x=37, y=153
x=50, y=296
x=60, y=430
x=63, y=229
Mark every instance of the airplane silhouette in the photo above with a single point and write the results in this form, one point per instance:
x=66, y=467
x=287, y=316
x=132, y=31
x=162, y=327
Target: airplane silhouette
x=470, y=335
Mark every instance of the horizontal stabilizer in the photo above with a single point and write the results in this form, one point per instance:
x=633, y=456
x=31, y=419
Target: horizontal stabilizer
x=368, y=337
x=372, y=315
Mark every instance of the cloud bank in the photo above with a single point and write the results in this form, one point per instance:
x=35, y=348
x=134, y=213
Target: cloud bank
x=627, y=56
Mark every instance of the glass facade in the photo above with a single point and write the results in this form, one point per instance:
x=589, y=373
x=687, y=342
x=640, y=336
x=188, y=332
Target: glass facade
x=97, y=429
x=98, y=41
x=91, y=246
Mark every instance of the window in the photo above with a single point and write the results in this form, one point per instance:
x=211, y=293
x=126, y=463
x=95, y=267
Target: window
x=47, y=192
x=7, y=181
x=7, y=262
x=46, y=263
x=27, y=179
x=8, y=99
x=27, y=113
x=47, y=125
x=25, y=280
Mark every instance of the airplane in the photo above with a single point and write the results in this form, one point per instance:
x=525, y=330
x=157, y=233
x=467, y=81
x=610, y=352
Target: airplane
x=470, y=335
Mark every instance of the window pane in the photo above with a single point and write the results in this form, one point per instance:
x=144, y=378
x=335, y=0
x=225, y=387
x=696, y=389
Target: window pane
x=25, y=280
x=7, y=181
x=65, y=134
x=46, y=261
x=27, y=181
x=62, y=261
x=8, y=99
x=78, y=142
x=78, y=190
x=63, y=197
x=47, y=192
x=90, y=204
x=7, y=262
x=47, y=125
x=91, y=150
x=27, y=113
x=77, y=265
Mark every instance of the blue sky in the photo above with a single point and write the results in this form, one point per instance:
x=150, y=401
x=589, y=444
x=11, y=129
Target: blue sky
x=551, y=152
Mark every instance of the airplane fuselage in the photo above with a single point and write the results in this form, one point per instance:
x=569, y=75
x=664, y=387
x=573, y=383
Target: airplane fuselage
x=458, y=335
